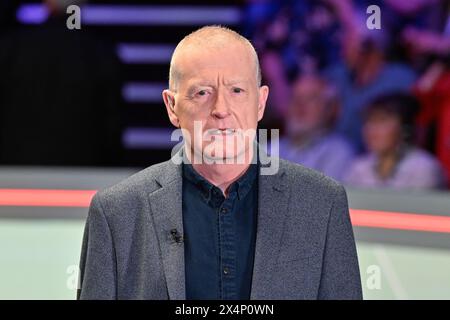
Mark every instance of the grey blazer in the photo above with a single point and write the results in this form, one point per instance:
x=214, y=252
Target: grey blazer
x=305, y=247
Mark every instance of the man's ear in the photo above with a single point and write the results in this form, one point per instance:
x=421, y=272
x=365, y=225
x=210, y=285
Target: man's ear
x=263, y=95
x=169, y=101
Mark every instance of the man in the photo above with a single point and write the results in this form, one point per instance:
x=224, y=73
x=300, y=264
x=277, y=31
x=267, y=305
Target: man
x=212, y=230
x=310, y=136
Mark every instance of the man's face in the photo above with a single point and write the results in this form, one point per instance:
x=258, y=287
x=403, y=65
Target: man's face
x=382, y=132
x=217, y=90
x=308, y=111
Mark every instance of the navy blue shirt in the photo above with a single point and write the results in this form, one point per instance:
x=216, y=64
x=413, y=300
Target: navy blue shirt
x=220, y=235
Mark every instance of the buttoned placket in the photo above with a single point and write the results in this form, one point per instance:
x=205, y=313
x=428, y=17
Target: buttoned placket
x=227, y=246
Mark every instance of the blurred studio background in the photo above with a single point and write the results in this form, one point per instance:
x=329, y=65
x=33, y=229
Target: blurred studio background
x=365, y=101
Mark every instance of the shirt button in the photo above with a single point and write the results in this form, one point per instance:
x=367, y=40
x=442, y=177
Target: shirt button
x=223, y=210
x=226, y=270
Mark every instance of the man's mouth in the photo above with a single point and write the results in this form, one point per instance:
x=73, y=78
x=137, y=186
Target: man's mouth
x=224, y=132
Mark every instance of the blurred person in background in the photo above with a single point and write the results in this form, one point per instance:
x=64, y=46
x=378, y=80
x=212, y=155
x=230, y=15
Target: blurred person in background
x=303, y=33
x=406, y=22
x=294, y=38
x=432, y=48
x=392, y=160
x=433, y=90
x=365, y=74
x=310, y=138
x=60, y=95
x=329, y=37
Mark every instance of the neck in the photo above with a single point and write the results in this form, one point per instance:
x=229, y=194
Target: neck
x=387, y=162
x=222, y=175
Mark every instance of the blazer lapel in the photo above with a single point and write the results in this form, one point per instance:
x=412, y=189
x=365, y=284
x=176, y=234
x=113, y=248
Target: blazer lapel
x=166, y=207
x=273, y=197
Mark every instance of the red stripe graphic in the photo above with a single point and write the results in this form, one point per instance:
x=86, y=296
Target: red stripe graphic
x=398, y=220
x=46, y=197
x=359, y=218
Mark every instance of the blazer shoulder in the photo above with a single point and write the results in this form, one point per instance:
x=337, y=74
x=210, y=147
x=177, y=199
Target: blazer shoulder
x=135, y=186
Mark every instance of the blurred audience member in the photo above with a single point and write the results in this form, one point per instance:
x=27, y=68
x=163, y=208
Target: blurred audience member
x=310, y=139
x=295, y=37
x=392, y=160
x=429, y=46
x=400, y=15
x=423, y=44
x=365, y=74
x=59, y=96
x=304, y=33
x=433, y=91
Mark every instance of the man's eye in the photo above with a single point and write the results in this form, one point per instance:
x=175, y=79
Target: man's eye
x=202, y=93
x=237, y=90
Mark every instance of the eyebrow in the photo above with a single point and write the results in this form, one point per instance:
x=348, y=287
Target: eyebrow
x=191, y=88
x=198, y=84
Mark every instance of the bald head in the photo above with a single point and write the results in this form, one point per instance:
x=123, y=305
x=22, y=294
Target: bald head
x=209, y=37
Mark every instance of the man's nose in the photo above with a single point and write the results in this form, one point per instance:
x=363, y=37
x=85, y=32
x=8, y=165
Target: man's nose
x=220, y=108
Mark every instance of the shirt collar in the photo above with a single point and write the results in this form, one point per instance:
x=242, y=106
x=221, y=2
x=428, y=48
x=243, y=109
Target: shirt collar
x=241, y=185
